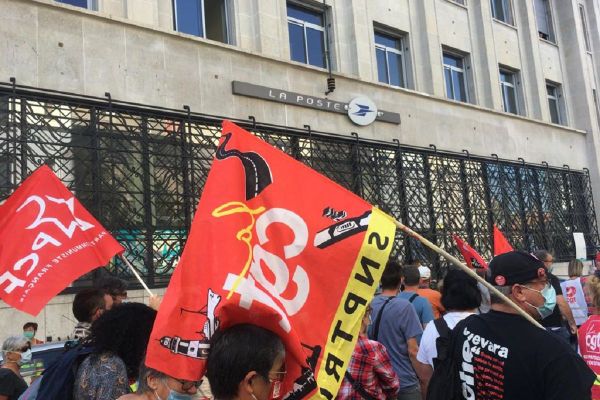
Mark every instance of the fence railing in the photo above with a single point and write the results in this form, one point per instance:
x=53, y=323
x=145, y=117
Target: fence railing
x=140, y=170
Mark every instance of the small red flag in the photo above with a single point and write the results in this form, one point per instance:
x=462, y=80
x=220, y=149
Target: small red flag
x=469, y=253
x=501, y=245
x=47, y=240
x=275, y=244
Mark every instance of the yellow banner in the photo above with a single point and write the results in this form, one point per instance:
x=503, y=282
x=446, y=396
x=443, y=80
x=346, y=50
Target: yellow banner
x=366, y=274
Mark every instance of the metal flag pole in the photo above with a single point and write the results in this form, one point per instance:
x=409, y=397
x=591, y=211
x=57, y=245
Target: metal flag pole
x=468, y=270
x=139, y=278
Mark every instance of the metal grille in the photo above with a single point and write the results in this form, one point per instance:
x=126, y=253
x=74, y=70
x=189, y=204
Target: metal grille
x=140, y=170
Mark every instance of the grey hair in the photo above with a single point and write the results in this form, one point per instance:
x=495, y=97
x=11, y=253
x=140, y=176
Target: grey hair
x=145, y=373
x=13, y=343
x=505, y=290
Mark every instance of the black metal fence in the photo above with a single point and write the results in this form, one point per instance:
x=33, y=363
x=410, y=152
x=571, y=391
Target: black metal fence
x=140, y=170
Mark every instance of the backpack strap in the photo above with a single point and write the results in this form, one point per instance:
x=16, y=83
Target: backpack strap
x=413, y=297
x=442, y=327
x=378, y=318
x=356, y=386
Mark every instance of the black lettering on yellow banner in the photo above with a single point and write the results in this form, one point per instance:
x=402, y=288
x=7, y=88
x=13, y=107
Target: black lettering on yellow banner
x=361, y=286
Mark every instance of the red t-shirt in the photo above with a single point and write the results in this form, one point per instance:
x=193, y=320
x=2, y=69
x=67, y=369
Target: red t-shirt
x=589, y=347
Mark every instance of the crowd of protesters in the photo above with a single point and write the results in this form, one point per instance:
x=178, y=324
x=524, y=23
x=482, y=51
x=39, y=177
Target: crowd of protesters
x=415, y=342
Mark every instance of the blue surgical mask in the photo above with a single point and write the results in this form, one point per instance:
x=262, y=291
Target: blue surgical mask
x=25, y=357
x=173, y=395
x=547, y=308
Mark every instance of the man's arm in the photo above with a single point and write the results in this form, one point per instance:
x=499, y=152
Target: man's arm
x=424, y=372
x=413, y=349
x=566, y=312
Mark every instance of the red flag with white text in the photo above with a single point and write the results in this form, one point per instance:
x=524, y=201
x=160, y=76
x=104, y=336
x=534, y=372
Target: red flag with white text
x=47, y=240
x=299, y=255
x=469, y=253
x=501, y=244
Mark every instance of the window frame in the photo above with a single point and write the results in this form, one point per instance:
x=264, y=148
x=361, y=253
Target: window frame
x=463, y=70
x=551, y=35
x=584, y=27
x=557, y=97
x=306, y=24
x=91, y=4
x=402, y=53
x=507, y=9
x=228, y=32
x=514, y=85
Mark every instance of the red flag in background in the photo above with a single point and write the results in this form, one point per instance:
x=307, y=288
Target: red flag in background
x=299, y=254
x=47, y=240
x=469, y=253
x=501, y=245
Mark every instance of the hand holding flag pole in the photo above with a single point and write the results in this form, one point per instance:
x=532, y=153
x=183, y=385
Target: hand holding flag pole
x=462, y=266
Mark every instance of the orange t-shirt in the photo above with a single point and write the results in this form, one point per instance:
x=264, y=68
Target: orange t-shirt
x=435, y=298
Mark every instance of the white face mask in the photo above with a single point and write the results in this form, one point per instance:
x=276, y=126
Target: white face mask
x=25, y=357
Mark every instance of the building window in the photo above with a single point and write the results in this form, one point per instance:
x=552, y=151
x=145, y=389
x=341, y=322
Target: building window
x=501, y=10
x=204, y=18
x=454, y=77
x=307, y=35
x=543, y=18
x=554, y=102
x=458, y=1
x=586, y=36
x=390, y=59
x=89, y=4
x=509, y=91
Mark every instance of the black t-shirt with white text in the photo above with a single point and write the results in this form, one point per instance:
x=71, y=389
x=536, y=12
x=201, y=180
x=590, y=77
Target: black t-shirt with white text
x=11, y=385
x=504, y=356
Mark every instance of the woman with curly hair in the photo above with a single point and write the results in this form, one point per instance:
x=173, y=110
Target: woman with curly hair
x=119, y=337
x=589, y=334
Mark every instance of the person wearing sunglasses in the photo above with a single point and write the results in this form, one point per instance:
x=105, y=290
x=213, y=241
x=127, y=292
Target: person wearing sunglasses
x=16, y=351
x=154, y=385
x=246, y=362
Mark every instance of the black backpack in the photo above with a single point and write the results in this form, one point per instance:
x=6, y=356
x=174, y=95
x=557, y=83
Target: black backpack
x=59, y=378
x=445, y=382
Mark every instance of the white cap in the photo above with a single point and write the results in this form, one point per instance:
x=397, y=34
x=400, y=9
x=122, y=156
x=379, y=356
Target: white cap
x=425, y=272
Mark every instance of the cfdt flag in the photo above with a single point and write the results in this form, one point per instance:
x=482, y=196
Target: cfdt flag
x=276, y=244
x=469, y=253
x=47, y=240
x=501, y=245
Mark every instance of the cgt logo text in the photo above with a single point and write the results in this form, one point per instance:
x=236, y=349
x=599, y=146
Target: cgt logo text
x=276, y=264
x=592, y=338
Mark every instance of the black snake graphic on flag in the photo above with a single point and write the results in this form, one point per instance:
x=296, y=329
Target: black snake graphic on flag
x=256, y=170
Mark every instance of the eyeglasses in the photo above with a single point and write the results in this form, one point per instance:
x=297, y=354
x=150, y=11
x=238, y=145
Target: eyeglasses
x=280, y=376
x=546, y=287
x=187, y=385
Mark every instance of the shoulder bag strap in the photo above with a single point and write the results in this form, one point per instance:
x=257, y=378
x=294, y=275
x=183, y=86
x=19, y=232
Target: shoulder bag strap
x=378, y=319
x=413, y=297
x=356, y=386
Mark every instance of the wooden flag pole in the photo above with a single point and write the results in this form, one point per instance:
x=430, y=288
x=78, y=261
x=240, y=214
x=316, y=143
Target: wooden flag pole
x=139, y=278
x=468, y=270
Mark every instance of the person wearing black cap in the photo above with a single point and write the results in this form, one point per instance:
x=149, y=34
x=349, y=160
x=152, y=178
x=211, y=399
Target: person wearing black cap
x=501, y=355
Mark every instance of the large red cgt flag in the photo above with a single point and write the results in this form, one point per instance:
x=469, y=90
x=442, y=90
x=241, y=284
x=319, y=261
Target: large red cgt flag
x=298, y=253
x=501, y=244
x=469, y=253
x=47, y=240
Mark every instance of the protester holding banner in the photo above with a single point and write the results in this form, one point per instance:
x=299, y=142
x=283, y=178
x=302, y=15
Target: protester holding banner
x=574, y=293
x=119, y=337
x=246, y=362
x=589, y=333
x=501, y=355
x=154, y=385
x=370, y=374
